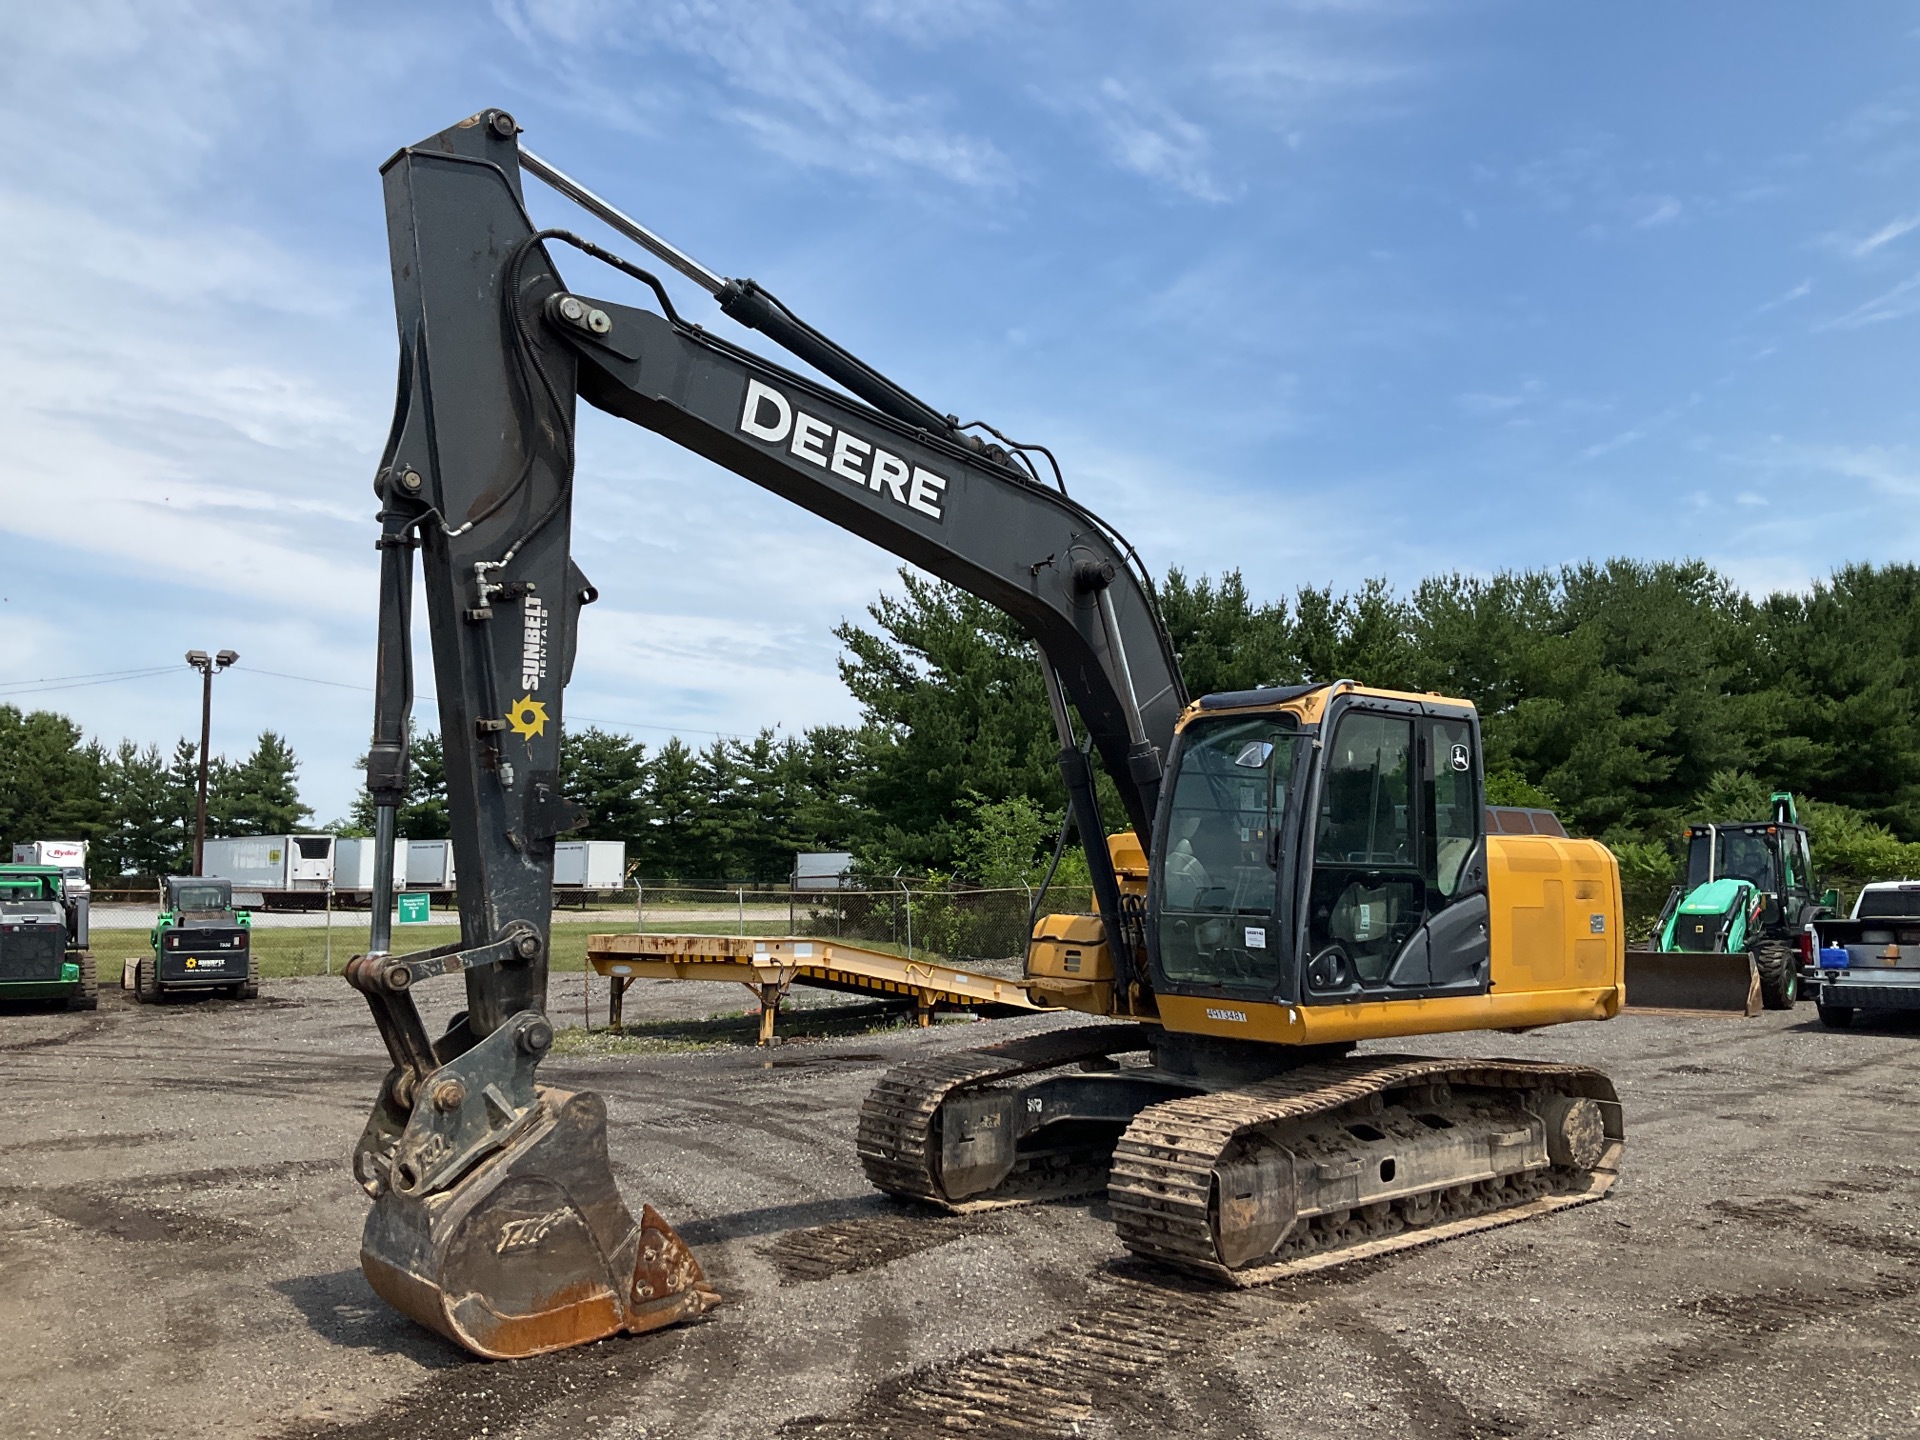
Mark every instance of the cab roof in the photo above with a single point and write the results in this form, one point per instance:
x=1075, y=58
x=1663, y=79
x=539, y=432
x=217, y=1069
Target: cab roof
x=1308, y=703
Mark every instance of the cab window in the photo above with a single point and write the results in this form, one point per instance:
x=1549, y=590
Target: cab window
x=1455, y=805
x=1217, y=877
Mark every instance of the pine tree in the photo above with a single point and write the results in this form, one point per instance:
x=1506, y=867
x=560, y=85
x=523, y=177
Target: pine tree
x=605, y=776
x=954, y=705
x=52, y=782
x=259, y=795
x=152, y=815
x=673, y=794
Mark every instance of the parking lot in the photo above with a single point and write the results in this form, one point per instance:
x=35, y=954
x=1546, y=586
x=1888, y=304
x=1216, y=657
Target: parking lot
x=179, y=1238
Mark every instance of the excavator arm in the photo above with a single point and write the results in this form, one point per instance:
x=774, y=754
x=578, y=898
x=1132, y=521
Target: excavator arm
x=496, y=1219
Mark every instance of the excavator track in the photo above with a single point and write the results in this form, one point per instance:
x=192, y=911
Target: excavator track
x=899, y=1143
x=1179, y=1168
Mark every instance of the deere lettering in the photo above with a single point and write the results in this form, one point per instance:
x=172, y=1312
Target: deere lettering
x=770, y=416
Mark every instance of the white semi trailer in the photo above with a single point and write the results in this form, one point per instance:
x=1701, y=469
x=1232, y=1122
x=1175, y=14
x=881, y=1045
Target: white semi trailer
x=590, y=865
x=430, y=866
x=353, y=869
x=577, y=865
x=273, y=872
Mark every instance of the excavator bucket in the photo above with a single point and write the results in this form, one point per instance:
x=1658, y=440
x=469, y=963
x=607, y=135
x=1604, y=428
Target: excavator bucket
x=1683, y=982
x=533, y=1249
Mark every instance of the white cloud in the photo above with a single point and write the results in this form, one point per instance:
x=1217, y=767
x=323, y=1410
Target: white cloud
x=1494, y=405
x=1888, y=470
x=1572, y=173
x=1895, y=303
x=1797, y=292
x=1620, y=441
x=1144, y=134
x=1873, y=120
x=1654, y=211
x=792, y=77
x=1885, y=235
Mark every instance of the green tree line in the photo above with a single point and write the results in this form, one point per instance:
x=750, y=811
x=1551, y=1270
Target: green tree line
x=1630, y=697
x=136, y=806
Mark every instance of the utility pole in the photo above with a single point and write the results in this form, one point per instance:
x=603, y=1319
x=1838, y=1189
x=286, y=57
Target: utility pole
x=208, y=666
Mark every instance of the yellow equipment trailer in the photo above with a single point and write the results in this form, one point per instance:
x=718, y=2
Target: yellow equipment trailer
x=772, y=967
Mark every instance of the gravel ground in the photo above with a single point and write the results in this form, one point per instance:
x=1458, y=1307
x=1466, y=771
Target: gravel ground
x=179, y=1236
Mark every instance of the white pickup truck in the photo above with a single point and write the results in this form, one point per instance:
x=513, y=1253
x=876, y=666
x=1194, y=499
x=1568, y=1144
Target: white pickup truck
x=1871, y=960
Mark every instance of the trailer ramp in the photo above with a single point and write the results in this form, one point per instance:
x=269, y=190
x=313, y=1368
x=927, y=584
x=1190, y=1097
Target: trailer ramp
x=770, y=967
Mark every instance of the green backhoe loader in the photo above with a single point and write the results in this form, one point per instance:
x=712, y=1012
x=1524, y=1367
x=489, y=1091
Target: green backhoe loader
x=1739, y=923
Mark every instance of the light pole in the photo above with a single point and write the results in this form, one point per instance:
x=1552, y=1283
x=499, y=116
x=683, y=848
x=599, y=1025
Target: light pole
x=207, y=665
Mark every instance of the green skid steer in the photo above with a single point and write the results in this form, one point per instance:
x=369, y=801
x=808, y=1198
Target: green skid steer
x=43, y=942
x=198, y=943
x=1732, y=938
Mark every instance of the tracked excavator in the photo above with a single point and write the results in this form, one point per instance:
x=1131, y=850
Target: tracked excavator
x=1296, y=870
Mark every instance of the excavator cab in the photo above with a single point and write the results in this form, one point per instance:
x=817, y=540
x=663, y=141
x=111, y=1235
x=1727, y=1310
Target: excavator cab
x=1318, y=854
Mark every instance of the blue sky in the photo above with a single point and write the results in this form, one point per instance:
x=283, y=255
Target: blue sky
x=1318, y=290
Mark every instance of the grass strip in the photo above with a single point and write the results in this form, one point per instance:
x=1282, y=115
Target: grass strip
x=293, y=951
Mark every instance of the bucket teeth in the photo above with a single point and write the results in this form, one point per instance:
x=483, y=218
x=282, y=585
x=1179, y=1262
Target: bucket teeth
x=533, y=1249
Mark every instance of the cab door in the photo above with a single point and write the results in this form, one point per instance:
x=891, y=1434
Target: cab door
x=1396, y=893
x=1454, y=953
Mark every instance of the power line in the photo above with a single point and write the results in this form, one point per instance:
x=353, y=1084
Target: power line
x=88, y=675
x=304, y=679
x=430, y=700
x=33, y=689
x=670, y=729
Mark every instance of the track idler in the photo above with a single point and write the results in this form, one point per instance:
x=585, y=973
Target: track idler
x=497, y=1221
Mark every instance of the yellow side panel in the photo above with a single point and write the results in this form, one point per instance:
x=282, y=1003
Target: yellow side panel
x=1558, y=954
x=1537, y=935
x=1556, y=914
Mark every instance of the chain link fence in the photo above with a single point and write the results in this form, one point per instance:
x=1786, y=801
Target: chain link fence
x=961, y=923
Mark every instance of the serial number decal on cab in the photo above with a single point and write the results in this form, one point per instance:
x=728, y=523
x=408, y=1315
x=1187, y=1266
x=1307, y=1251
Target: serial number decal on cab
x=770, y=416
x=1237, y=1016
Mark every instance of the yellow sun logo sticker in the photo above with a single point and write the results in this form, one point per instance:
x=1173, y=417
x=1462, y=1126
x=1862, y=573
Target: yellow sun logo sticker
x=527, y=716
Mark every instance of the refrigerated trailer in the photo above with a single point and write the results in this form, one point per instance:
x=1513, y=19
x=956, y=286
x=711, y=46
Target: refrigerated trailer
x=590, y=865
x=430, y=867
x=273, y=872
x=353, y=870
x=578, y=866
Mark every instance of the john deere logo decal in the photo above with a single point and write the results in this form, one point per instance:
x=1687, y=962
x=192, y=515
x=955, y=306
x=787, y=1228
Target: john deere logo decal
x=527, y=716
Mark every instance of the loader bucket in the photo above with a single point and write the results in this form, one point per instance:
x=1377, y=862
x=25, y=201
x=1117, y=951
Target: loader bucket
x=533, y=1250
x=1683, y=982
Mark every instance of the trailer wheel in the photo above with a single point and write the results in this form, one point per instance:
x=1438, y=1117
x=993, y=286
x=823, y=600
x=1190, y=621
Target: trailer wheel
x=1779, y=967
x=87, y=997
x=1835, y=1017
